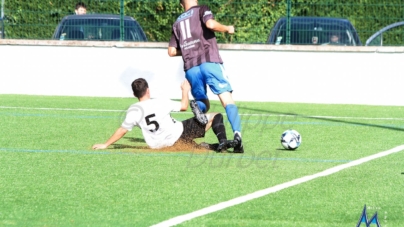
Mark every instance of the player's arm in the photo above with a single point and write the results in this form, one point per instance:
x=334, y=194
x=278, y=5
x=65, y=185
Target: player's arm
x=185, y=87
x=215, y=26
x=119, y=133
x=173, y=46
x=172, y=52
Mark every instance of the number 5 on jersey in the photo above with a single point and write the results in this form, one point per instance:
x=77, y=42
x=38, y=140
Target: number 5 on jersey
x=152, y=122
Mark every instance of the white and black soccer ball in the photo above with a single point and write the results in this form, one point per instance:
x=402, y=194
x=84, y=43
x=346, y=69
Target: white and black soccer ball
x=291, y=139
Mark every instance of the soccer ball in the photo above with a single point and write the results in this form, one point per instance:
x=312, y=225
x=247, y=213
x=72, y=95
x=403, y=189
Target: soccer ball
x=291, y=139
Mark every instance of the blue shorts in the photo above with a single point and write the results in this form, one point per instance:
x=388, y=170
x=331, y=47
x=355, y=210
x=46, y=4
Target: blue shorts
x=207, y=73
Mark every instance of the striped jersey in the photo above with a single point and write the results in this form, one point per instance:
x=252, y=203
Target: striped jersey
x=197, y=42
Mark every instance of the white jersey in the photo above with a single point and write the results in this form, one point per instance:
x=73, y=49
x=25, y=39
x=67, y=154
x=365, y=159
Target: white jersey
x=153, y=118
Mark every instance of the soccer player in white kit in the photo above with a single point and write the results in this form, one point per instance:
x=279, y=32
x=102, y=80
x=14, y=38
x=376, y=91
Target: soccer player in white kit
x=159, y=129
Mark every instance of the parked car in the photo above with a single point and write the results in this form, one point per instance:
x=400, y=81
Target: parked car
x=103, y=27
x=314, y=31
x=393, y=31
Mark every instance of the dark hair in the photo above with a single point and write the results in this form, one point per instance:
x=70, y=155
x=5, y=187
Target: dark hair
x=81, y=4
x=139, y=87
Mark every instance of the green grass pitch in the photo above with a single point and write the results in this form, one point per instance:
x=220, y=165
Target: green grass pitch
x=50, y=176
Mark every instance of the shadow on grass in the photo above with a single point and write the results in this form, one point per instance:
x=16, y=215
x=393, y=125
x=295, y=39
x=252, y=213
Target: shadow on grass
x=135, y=140
x=263, y=111
x=132, y=140
x=125, y=146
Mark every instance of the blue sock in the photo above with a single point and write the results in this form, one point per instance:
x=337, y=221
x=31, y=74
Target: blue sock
x=202, y=106
x=233, y=117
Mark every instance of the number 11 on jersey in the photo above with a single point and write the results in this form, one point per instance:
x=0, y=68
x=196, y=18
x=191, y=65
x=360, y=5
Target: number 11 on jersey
x=185, y=29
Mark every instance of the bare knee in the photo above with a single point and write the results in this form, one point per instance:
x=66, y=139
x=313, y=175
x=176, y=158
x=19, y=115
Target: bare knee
x=226, y=98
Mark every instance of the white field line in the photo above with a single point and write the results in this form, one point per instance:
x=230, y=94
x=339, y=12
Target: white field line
x=265, y=115
x=223, y=205
x=62, y=109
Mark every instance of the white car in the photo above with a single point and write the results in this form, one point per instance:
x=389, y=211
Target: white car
x=391, y=35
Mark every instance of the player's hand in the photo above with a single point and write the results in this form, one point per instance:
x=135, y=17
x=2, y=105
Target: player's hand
x=185, y=86
x=99, y=146
x=230, y=29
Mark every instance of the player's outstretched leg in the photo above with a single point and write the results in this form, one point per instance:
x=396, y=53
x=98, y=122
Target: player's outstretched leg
x=209, y=146
x=219, y=147
x=220, y=132
x=224, y=145
x=200, y=116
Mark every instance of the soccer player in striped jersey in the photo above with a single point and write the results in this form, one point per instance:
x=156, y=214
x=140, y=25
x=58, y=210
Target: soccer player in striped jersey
x=193, y=38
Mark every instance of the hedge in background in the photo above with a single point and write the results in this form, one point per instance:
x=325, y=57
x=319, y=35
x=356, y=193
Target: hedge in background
x=37, y=19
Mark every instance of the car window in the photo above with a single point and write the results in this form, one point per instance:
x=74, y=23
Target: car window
x=100, y=29
x=311, y=32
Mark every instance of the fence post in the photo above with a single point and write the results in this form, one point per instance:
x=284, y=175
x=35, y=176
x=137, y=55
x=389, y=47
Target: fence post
x=288, y=9
x=2, y=20
x=122, y=21
x=2, y=9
